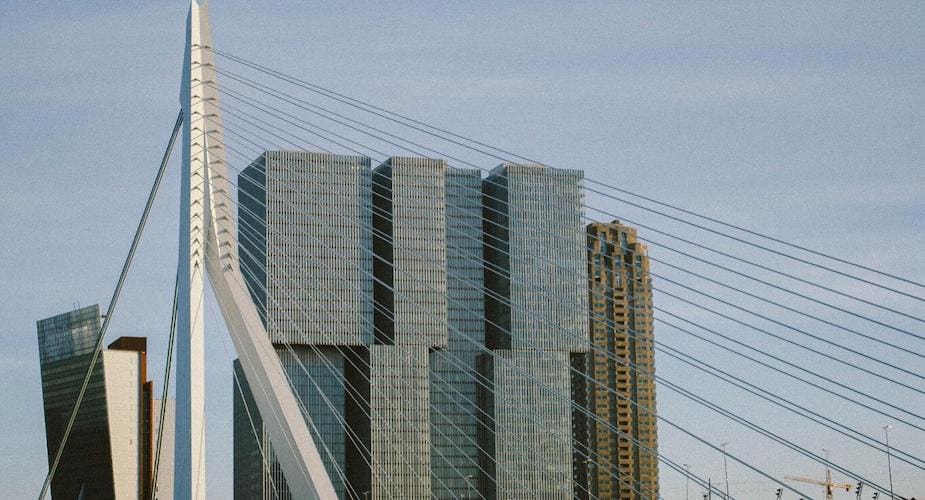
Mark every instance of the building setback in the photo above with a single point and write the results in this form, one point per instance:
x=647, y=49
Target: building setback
x=535, y=309
x=354, y=333
x=371, y=282
x=622, y=397
x=110, y=450
x=409, y=196
x=305, y=244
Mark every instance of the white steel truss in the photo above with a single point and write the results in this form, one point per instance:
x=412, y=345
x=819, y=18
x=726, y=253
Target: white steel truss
x=208, y=246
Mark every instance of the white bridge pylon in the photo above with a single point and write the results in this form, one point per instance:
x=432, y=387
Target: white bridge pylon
x=208, y=245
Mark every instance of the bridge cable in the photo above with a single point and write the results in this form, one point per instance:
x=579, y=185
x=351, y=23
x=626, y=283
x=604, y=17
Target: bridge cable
x=161, y=422
x=254, y=278
x=389, y=115
x=112, y=305
x=860, y=368
x=231, y=151
x=365, y=105
x=302, y=105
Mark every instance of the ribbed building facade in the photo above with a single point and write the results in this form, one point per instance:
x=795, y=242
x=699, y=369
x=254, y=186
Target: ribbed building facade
x=409, y=196
x=305, y=231
x=623, y=464
x=427, y=319
x=535, y=309
x=305, y=244
x=110, y=451
x=349, y=268
x=454, y=379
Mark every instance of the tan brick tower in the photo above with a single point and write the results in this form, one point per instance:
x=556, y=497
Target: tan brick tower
x=621, y=464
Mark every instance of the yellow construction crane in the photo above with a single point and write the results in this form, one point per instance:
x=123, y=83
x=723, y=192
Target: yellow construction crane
x=827, y=484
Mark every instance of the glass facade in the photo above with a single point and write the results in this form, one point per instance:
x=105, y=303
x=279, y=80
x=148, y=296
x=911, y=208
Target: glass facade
x=309, y=225
x=108, y=453
x=409, y=195
x=454, y=414
x=400, y=422
x=532, y=425
x=322, y=397
x=305, y=239
x=68, y=335
x=535, y=306
x=66, y=342
x=380, y=275
x=534, y=241
x=305, y=243
x=410, y=243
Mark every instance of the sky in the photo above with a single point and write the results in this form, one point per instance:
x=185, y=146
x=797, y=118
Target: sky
x=802, y=120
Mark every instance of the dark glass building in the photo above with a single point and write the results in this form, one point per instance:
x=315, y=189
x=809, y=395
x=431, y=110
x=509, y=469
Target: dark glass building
x=109, y=452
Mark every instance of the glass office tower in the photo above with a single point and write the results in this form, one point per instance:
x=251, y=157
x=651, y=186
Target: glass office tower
x=305, y=243
x=66, y=342
x=409, y=196
x=536, y=312
x=454, y=379
x=109, y=452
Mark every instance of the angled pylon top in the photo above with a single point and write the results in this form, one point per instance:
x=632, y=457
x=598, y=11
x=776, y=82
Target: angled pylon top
x=208, y=247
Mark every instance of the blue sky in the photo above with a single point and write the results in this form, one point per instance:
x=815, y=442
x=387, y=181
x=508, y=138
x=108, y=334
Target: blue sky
x=803, y=120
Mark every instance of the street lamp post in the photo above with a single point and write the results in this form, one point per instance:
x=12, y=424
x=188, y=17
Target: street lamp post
x=469, y=486
x=725, y=468
x=687, y=487
x=889, y=465
x=826, y=464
